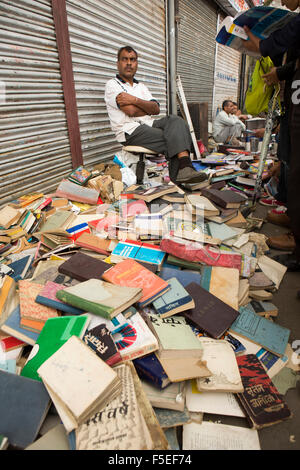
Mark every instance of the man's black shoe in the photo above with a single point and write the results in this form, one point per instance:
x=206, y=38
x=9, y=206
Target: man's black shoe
x=289, y=260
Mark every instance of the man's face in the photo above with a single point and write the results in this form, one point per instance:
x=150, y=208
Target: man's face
x=290, y=4
x=229, y=107
x=127, y=65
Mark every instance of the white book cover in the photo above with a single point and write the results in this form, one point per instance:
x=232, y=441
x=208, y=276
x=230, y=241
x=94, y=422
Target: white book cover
x=221, y=361
x=77, y=377
x=220, y=403
x=132, y=336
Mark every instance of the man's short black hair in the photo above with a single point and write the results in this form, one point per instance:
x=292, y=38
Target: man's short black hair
x=128, y=49
x=226, y=103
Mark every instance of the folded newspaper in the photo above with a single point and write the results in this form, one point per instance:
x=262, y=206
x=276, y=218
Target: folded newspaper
x=262, y=21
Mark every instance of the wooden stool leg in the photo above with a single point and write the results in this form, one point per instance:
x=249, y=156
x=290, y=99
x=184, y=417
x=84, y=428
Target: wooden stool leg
x=140, y=169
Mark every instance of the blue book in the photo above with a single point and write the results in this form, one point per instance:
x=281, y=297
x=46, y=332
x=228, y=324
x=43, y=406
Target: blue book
x=261, y=331
x=175, y=300
x=12, y=326
x=150, y=369
x=139, y=252
x=20, y=267
x=47, y=297
x=184, y=276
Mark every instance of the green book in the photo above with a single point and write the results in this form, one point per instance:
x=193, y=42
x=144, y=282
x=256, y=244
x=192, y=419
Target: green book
x=54, y=334
x=100, y=297
x=176, y=338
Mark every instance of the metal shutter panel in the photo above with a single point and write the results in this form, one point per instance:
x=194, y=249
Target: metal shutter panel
x=34, y=142
x=196, y=50
x=97, y=30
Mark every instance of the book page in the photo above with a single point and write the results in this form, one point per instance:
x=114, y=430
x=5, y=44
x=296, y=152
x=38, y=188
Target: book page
x=213, y=436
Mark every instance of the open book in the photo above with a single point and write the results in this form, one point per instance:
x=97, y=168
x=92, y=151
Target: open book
x=262, y=21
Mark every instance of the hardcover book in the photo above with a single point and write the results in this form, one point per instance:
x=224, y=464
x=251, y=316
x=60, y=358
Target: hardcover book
x=174, y=301
x=99, y=297
x=129, y=273
x=47, y=296
x=150, y=369
x=24, y=404
x=100, y=340
x=75, y=367
x=225, y=198
x=83, y=267
x=261, y=401
x=80, y=175
x=210, y=314
x=266, y=333
x=54, y=334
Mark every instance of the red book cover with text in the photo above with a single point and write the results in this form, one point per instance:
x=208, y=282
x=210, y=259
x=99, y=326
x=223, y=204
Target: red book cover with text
x=261, y=401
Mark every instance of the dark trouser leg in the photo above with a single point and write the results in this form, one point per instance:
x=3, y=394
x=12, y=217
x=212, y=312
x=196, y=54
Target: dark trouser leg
x=169, y=135
x=283, y=155
x=294, y=172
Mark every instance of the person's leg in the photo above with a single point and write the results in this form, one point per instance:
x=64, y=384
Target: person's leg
x=293, y=201
x=171, y=136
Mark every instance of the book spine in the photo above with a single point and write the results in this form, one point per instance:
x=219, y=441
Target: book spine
x=139, y=352
x=158, y=381
x=206, y=277
x=86, y=305
x=172, y=305
x=58, y=305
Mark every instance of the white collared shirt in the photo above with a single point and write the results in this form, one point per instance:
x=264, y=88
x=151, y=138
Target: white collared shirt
x=119, y=121
x=223, y=120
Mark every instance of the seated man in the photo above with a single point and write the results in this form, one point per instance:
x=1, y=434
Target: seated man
x=227, y=127
x=130, y=106
x=237, y=112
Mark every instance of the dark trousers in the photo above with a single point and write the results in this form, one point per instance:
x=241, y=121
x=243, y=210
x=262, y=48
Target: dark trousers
x=283, y=154
x=169, y=135
x=293, y=201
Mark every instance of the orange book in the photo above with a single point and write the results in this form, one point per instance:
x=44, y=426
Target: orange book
x=132, y=274
x=32, y=325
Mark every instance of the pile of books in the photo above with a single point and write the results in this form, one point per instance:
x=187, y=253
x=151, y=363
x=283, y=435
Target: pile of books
x=131, y=311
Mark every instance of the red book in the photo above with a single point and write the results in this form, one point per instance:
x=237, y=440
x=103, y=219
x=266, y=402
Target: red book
x=190, y=251
x=132, y=274
x=261, y=401
x=8, y=343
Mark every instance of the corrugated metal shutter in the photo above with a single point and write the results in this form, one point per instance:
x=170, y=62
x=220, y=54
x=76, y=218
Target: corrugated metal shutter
x=196, y=49
x=97, y=29
x=226, y=75
x=34, y=142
